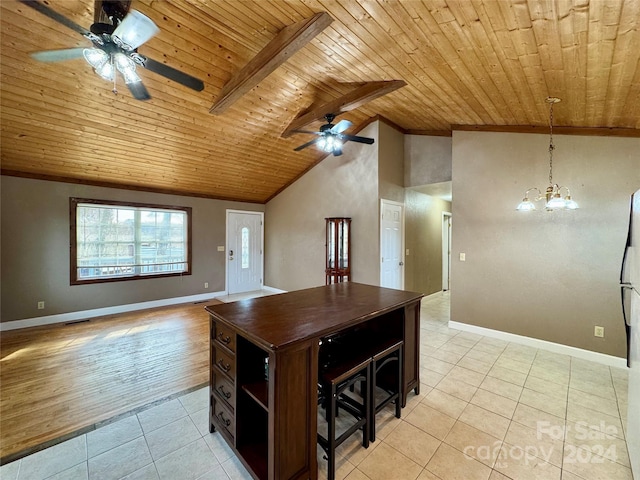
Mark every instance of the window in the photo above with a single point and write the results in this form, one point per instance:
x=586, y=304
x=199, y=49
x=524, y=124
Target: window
x=113, y=241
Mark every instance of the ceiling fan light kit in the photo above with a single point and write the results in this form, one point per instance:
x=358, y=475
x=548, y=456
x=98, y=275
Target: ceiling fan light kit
x=330, y=143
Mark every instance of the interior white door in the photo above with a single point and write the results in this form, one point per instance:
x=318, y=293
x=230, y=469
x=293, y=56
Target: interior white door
x=391, y=244
x=244, y=251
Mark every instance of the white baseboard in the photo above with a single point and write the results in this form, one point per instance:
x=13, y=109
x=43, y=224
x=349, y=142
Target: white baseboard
x=100, y=312
x=602, y=358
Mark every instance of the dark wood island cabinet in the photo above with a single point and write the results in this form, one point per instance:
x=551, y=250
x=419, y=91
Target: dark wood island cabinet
x=264, y=367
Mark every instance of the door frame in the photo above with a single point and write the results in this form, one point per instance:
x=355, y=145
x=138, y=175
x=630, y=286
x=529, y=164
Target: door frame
x=381, y=236
x=446, y=250
x=226, y=246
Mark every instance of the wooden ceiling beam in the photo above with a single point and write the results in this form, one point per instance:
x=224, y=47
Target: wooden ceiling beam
x=352, y=100
x=287, y=42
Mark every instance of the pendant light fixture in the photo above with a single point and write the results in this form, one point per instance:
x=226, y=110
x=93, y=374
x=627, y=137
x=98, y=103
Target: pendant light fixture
x=552, y=196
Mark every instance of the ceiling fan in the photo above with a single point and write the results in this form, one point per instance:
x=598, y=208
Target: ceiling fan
x=330, y=137
x=115, y=46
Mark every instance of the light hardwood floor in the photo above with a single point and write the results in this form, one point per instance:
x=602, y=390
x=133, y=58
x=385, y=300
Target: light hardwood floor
x=61, y=380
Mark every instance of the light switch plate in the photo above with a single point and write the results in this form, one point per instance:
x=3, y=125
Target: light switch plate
x=463, y=257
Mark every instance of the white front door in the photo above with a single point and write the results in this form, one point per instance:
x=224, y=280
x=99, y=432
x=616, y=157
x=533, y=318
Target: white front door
x=391, y=244
x=244, y=251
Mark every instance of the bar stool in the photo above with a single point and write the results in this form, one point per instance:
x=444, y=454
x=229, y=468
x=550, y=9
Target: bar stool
x=386, y=377
x=335, y=378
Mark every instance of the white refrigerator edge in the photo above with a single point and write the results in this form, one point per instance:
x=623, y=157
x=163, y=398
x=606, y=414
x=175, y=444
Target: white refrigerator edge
x=630, y=287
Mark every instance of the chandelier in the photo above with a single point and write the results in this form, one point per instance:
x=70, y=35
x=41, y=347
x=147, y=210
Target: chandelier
x=554, y=200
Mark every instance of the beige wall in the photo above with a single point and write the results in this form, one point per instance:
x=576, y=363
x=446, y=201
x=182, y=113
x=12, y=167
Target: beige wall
x=546, y=275
x=35, y=250
x=390, y=163
x=344, y=186
x=423, y=239
x=427, y=160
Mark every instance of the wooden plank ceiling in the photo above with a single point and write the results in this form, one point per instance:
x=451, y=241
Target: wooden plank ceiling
x=465, y=62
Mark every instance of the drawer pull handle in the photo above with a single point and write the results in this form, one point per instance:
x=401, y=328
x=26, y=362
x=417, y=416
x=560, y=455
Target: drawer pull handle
x=224, y=367
x=224, y=339
x=225, y=421
x=224, y=394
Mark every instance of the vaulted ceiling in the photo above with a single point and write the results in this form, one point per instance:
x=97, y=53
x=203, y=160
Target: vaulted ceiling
x=466, y=63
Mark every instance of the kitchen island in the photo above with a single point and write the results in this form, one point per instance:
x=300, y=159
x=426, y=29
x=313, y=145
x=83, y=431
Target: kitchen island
x=264, y=367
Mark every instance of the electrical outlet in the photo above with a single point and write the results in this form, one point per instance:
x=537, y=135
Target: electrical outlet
x=598, y=331
x=221, y=248
x=206, y=284
x=40, y=305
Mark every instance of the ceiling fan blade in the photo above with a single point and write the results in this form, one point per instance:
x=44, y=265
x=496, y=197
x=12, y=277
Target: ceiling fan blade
x=341, y=126
x=57, y=55
x=354, y=138
x=172, y=74
x=308, y=144
x=138, y=90
x=49, y=12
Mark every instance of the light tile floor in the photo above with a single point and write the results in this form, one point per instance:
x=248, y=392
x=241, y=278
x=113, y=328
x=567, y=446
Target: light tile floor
x=487, y=409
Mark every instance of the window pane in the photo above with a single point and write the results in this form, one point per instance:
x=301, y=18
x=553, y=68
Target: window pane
x=127, y=241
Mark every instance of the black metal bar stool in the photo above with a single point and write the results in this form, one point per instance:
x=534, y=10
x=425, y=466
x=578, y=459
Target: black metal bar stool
x=336, y=377
x=386, y=380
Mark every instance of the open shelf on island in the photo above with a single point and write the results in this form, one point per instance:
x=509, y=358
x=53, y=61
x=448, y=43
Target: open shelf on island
x=259, y=391
x=255, y=456
x=252, y=428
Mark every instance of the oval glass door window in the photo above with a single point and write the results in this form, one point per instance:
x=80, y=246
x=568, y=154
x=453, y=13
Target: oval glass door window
x=245, y=247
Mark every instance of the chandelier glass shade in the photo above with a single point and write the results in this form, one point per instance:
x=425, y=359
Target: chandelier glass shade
x=556, y=197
